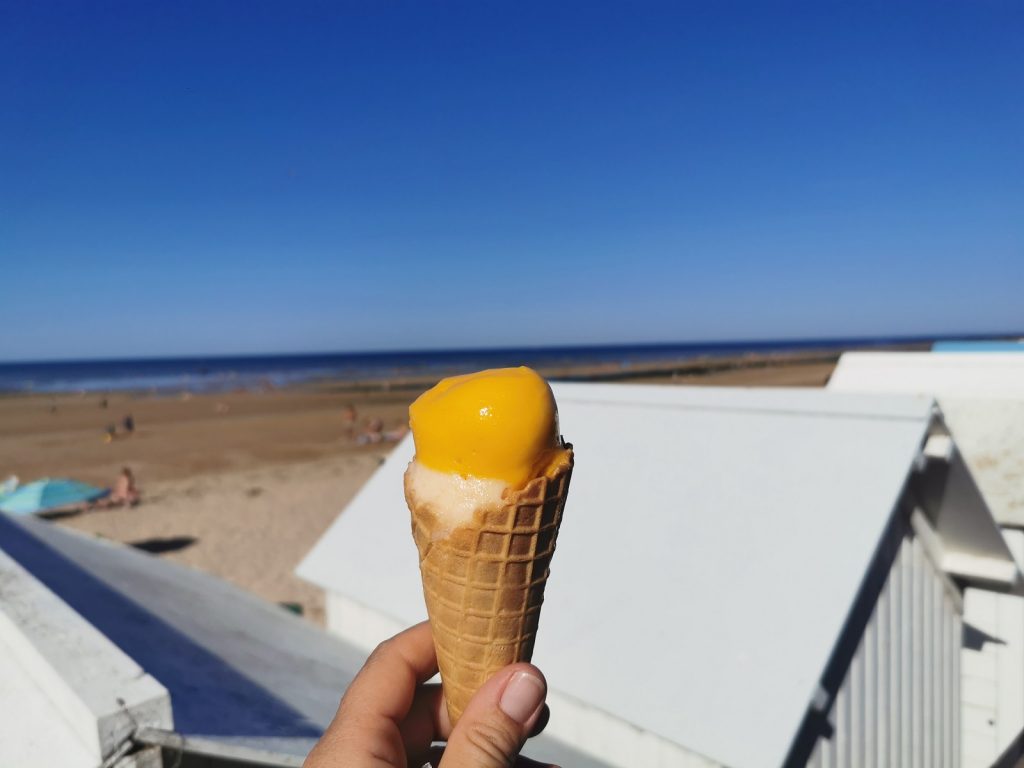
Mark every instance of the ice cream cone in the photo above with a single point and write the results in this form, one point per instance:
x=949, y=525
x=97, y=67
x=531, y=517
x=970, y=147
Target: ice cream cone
x=484, y=581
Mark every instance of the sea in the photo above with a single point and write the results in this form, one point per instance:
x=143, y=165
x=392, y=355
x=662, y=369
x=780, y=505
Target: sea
x=214, y=374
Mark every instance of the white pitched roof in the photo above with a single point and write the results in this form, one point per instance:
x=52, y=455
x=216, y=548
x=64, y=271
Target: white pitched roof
x=982, y=400
x=712, y=544
x=942, y=374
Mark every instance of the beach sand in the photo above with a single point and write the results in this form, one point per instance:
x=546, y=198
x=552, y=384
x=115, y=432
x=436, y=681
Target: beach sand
x=242, y=485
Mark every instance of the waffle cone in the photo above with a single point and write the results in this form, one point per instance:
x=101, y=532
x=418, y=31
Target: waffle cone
x=484, y=582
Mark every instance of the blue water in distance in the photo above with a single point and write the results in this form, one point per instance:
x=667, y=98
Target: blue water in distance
x=202, y=374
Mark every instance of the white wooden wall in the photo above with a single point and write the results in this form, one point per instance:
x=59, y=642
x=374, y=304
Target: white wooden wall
x=900, y=702
x=993, y=670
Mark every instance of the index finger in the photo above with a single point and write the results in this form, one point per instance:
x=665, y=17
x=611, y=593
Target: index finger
x=387, y=682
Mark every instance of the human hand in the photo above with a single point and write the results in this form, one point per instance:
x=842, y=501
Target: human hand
x=388, y=718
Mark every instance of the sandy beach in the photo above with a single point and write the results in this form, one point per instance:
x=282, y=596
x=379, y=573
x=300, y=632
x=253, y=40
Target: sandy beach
x=241, y=485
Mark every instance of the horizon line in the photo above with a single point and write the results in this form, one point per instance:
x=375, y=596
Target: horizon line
x=827, y=340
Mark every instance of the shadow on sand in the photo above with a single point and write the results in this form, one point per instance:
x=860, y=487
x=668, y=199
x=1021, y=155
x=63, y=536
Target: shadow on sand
x=158, y=546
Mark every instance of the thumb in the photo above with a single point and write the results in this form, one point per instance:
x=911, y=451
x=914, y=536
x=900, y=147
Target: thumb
x=497, y=720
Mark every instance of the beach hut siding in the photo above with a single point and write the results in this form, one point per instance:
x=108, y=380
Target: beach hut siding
x=992, y=706
x=899, y=703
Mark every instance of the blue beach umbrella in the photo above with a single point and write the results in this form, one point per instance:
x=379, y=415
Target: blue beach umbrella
x=45, y=494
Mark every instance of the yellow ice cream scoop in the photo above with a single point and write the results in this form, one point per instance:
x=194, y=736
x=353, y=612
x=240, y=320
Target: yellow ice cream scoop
x=500, y=423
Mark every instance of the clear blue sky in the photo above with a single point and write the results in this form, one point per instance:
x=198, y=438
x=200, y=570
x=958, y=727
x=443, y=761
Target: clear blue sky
x=240, y=177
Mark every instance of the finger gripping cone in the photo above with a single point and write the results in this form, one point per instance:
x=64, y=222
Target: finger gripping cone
x=484, y=583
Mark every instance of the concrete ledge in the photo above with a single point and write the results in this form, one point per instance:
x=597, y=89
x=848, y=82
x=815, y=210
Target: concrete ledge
x=102, y=695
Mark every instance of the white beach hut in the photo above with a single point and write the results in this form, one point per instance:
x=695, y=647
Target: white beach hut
x=981, y=395
x=743, y=578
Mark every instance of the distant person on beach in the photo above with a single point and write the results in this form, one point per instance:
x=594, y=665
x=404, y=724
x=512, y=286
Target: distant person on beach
x=351, y=415
x=128, y=424
x=111, y=434
x=372, y=433
x=396, y=434
x=375, y=433
x=390, y=715
x=125, y=491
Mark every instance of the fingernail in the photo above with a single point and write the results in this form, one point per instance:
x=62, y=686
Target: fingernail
x=522, y=697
